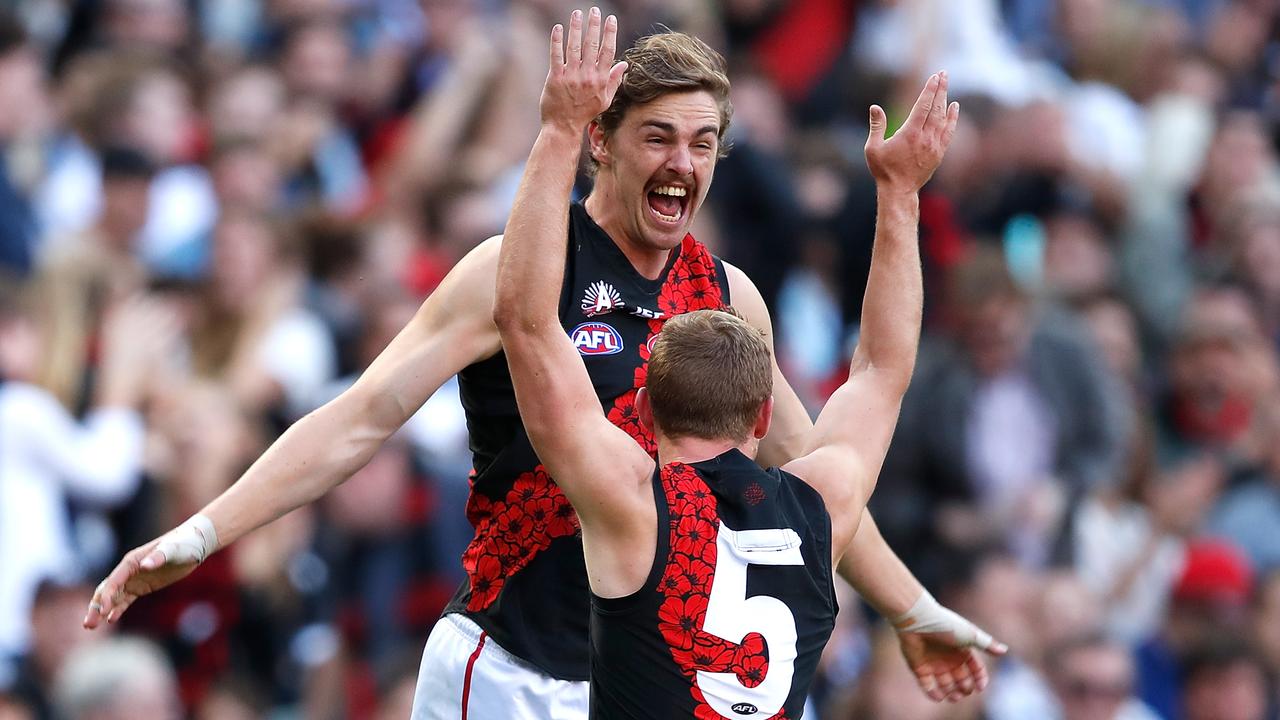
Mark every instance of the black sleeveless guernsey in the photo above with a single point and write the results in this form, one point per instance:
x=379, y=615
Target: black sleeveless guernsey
x=526, y=580
x=737, y=608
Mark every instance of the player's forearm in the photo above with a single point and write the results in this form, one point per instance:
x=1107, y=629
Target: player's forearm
x=893, y=304
x=531, y=262
x=876, y=572
x=317, y=453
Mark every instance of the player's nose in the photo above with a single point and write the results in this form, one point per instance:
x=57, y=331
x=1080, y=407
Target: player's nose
x=680, y=161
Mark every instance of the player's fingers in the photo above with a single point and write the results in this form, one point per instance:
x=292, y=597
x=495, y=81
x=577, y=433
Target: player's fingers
x=964, y=680
x=557, y=47
x=946, y=684
x=93, y=615
x=615, y=79
x=920, y=111
x=938, y=105
x=609, y=44
x=949, y=131
x=877, y=123
x=591, y=50
x=978, y=670
x=125, y=600
x=929, y=684
x=573, y=56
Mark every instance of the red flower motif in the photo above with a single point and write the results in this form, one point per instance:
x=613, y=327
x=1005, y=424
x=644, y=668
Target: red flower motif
x=679, y=619
x=486, y=582
x=716, y=656
x=624, y=415
x=512, y=531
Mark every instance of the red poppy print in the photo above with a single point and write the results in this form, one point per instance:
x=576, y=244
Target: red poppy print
x=691, y=284
x=511, y=531
x=686, y=588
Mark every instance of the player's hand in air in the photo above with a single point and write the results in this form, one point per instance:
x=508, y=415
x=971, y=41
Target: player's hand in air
x=149, y=567
x=583, y=77
x=906, y=161
x=941, y=647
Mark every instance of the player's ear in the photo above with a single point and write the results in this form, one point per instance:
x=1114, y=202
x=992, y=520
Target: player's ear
x=644, y=410
x=764, y=418
x=596, y=141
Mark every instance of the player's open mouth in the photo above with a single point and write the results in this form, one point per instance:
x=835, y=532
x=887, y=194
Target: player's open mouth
x=667, y=202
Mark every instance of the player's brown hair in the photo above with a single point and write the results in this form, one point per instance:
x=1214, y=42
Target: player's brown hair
x=709, y=373
x=664, y=63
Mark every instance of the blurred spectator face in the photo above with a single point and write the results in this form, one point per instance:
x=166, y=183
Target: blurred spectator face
x=11, y=708
x=247, y=104
x=20, y=348
x=159, y=117
x=1115, y=331
x=1067, y=608
x=22, y=91
x=317, y=62
x=117, y=679
x=641, y=156
x=55, y=626
x=125, y=203
x=1240, y=157
x=1260, y=255
x=1092, y=682
x=244, y=251
x=1077, y=261
x=995, y=334
x=1266, y=621
x=247, y=177
x=1211, y=363
x=160, y=24
x=1233, y=690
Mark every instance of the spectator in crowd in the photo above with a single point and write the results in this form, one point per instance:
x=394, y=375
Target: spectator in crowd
x=1226, y=681
x=117, y=679
x=1208, y=601
x=51, y=459
x=1093, y=679
x=22, y=97
x=1005, y=427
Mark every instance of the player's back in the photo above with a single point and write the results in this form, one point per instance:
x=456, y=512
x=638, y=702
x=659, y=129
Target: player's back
x=737, y=607
x=526, y=581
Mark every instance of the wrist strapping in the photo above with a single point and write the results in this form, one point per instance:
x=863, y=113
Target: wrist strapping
x=927, y=615
x=192, y=541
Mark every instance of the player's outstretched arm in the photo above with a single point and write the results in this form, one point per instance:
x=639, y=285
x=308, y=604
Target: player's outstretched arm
x=847, y=446
x=451, y=330
x=601, y=469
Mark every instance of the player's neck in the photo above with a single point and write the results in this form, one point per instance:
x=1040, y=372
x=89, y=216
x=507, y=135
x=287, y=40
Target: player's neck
x=606, y=212
x=691, y=450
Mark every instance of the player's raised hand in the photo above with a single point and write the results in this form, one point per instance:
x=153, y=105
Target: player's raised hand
x=906, y=161
x=583, y=76
x=149, y=567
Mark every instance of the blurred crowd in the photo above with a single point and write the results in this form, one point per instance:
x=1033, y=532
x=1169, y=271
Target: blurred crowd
x=214, y=214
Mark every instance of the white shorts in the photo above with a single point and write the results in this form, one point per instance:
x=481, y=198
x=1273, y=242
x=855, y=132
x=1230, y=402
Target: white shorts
x=465, y=675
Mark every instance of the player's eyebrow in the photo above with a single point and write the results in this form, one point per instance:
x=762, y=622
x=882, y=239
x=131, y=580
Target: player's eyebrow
x=671, y=129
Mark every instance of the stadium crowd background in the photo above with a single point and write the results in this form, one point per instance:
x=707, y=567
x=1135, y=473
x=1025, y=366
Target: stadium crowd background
x=214, y=214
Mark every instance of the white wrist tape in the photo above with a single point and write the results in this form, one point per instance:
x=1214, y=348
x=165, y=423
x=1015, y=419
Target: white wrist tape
x=192, y=541
x=928, y=616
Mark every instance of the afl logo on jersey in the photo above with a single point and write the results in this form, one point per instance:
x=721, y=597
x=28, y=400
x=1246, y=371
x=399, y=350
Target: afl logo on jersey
x=745, y=709
x=596, y=338
x=600, y=298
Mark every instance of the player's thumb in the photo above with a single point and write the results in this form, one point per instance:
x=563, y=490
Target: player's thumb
x=618, y=70
x=154, y=559
x=981, y=639
x=878, y=124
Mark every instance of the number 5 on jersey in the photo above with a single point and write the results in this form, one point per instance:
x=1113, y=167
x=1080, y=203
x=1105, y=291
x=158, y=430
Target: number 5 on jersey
x=732, y=615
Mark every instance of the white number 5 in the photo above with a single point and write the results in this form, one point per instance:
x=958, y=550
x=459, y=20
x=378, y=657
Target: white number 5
x=731, y=615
